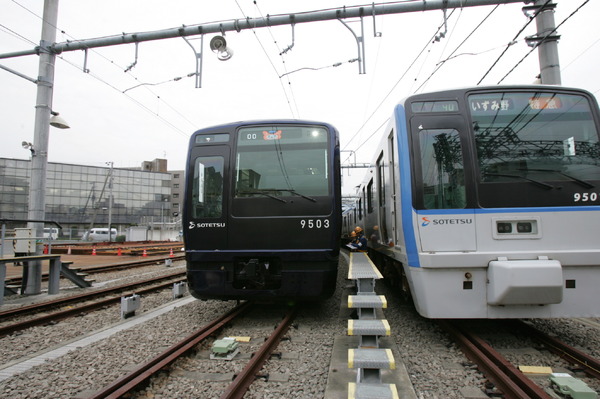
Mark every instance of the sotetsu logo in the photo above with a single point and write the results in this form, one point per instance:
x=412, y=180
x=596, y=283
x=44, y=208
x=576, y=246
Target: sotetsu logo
x=426, y=221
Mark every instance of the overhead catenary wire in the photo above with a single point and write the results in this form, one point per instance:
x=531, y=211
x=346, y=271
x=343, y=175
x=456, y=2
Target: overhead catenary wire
x=402, y=76
x=377, y=107
x=578, y=56
x=451, y=56
x=292, y=104
x=512, y=42
x=542, y=40
x=16, y=34
x=138, y=103
x=129, y=73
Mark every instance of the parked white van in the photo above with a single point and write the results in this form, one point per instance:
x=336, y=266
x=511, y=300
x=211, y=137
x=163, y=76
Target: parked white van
x=99, y=234
x=50, y=232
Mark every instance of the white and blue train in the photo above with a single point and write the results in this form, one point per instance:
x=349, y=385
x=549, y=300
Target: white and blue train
x=485, y=202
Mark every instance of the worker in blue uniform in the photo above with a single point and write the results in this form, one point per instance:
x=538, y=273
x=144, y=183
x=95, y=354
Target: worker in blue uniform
x=360, y=243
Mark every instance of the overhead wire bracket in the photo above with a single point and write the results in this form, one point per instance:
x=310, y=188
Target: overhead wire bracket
x=360, y=43
x=288, y=48
x=375, y=33
x=85, y=59
x=198, y=59
x=130, y=67
x=442, y=35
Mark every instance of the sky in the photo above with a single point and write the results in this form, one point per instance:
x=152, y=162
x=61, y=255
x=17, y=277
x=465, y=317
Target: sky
x=150, y=111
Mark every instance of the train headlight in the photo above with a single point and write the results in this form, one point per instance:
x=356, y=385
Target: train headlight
x=524, y=227
x=504, y=227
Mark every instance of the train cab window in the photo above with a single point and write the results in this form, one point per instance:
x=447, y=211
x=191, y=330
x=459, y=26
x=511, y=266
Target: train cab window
x=542, y=145
x=442, y=169
x=207, y=191
x=282, y=161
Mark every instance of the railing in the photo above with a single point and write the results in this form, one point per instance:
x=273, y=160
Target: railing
x=3, y=233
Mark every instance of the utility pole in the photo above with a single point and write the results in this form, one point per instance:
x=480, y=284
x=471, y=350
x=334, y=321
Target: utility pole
x=39, y=159
x=547, y=41
x=110, y=200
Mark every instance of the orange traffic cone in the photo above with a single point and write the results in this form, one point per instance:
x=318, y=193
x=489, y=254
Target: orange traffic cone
x=171, y=253
x=69, y=250
x=144, y=254
x=119, y=252
x=94, y=251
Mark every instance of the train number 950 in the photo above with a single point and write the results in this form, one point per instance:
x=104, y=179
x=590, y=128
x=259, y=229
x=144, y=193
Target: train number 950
x=314, y=223
x=585, y=197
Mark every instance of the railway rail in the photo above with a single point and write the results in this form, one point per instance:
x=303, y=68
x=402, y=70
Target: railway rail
x=241, y=382
x=589, y=364
x=512, y=383
x=108, y=268
x=156, y=283
x=507, y=378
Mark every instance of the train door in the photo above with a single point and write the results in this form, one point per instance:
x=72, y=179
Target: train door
x=444, y=221
x=392, y=187
x=383, y=237
x=207, y=211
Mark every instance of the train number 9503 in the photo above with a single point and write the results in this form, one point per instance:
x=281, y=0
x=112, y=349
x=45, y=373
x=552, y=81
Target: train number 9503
x=314, y=223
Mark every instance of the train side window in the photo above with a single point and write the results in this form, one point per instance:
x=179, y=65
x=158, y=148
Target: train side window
x=364, y=200
x=442, y=169
x=381, y=181
x=360, y=212
x=207, y=192
x=370, y=197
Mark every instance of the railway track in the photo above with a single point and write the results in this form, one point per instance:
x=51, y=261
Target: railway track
x=589, y=364
x=130, y=264
x=109, y=296
x=241, y=382
x=109, y=268
x=507, y=378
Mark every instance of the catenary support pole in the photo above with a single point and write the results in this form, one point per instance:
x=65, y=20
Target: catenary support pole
x=39, y=159
x=548, y=48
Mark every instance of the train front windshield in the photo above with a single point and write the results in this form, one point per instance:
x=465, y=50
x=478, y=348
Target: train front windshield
x=282, y=161
x=534, y=139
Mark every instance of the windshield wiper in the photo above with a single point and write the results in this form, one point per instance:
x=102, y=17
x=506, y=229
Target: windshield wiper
x=261, y=192
x=581, y=182
x=290, y=190
x=536, y=182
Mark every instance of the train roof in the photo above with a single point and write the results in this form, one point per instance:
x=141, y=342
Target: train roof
x=452, y=92
x=233, y=125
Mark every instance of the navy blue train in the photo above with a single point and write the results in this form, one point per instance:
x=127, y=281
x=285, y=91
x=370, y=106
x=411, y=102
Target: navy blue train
x=262, y=213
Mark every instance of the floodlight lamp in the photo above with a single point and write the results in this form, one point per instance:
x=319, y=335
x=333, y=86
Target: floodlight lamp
x=218, y=45
x=28, y=146
x=57, y=121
